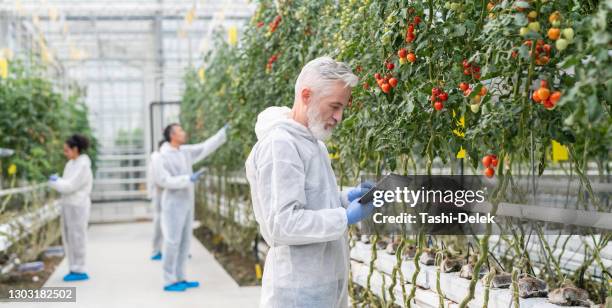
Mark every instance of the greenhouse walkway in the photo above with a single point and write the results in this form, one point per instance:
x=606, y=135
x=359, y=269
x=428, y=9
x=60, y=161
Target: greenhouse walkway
x=123, y=276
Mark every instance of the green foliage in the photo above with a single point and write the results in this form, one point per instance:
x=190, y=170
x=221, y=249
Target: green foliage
x=367, y=34
x=35, y=121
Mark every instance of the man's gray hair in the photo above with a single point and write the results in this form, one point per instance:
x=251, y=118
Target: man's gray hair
x=318, y=73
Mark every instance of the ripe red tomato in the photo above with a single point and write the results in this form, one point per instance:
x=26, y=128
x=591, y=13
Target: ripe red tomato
x=443, y=96
x=390, y=66
x=417, y=20
x=411, y=57
x=543, y=93
x=535, y=97
x=555, y=97
x=386, y=87
x=393, y=82
x=402, y=53
x=483, y=91
x=438, y=106
x=410, y=37
x=489, y=172
x=486, y=161
x=435, y=91
x=377, y=76
x=494, y=162
x=464, y=86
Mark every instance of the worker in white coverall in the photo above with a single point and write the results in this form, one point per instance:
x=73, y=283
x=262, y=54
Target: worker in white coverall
x=155, y=193
x=75, y=186
x=300, y=211
x=177, y=179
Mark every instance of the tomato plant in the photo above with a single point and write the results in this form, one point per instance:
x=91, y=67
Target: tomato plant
x=27, y=126
x=453, y=77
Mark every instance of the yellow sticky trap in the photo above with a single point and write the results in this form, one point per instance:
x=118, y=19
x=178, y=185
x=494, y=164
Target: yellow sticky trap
x=258, y=272
x=559, y=152
x=12, y=169
x=3, y=68
x=232, y=35
x=201, y=74
x=461, y=153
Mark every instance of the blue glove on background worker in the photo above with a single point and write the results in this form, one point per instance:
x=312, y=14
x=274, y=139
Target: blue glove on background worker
x=196, y=176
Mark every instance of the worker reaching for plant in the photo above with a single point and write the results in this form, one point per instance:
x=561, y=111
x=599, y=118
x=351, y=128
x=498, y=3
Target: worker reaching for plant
x=75, y=188
x=155, y=193
x=301, y=213
x=177, y=179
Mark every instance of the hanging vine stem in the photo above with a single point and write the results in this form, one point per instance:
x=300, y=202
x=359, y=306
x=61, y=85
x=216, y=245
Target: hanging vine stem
x=497, y=196
x=417, y=267
x=400, y=250
x=351, y=286
x=488, y=280
x=370, y=295
x=438, y=287
x=580, y=170
x=374, y=256
x=515, y=289
x=396, y=268
x=549, y=255
x=9, y=197
x=399, y=253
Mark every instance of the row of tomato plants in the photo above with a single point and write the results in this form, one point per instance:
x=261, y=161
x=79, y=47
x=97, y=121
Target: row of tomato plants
x=36, y=119
x=496, y=81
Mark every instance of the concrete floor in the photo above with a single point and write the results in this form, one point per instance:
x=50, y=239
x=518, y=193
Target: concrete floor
x=123, y=276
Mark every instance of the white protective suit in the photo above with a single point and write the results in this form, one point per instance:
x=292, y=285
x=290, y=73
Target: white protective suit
x=301, y=215
x=75, y=188
x=178, y=201
x=155, y=193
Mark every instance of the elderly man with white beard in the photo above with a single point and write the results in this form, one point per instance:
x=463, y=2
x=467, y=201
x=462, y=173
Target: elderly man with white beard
x=300, y=211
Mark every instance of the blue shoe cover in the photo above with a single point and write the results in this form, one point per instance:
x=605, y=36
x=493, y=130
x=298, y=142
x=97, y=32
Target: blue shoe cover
x=73, y=276
x=156, y=257
x=190, y=284
x=175, y=287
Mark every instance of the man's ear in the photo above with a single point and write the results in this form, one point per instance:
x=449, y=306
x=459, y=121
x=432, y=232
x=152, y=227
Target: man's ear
x=306, y=95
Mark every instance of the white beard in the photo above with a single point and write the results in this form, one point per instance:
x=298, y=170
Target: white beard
x=316, y=125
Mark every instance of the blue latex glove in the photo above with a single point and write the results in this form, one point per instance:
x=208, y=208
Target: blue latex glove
x=196, y=176
x=53, y=177
x=357, y=211
x=357, y=192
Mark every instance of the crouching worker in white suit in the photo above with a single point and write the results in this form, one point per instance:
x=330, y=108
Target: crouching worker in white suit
x=297, y=204
x=75, y=188
x=177, y=179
